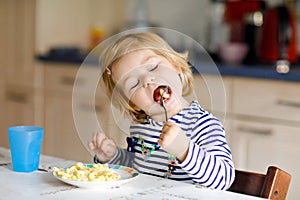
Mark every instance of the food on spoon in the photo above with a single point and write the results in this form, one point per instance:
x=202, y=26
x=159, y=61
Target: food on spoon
x=162, y=92
x=80, y=172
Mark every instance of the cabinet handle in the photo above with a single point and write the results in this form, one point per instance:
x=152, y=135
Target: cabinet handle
x=288, y=103
x=255, y=130
x=17, y=97
x=90, y=108
x=68, y=80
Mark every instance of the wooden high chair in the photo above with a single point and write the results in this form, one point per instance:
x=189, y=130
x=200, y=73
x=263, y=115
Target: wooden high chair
x=272, y=185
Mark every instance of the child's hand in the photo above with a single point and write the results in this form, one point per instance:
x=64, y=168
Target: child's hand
x=174, y=140
x=105, y=148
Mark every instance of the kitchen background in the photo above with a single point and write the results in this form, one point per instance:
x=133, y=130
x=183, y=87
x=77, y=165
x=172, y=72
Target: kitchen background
x=39, y=61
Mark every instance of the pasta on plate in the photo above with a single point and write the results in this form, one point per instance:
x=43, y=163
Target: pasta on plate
x=91, y=172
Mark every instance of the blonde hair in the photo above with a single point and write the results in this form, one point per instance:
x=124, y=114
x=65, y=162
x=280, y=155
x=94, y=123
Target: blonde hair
x=133, y=42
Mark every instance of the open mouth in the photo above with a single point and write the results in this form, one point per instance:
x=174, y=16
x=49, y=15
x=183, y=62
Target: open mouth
x=162, y=92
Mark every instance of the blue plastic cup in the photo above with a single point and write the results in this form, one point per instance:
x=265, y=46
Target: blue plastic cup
x=25, y=147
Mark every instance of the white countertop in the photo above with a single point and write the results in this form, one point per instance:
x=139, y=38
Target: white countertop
x=42, y=185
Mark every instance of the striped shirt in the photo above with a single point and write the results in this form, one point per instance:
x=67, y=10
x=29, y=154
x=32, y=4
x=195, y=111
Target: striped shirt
x=208, y=162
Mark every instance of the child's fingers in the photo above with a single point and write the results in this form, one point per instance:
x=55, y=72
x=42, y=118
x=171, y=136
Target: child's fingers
x=160, y=143
x=91, y=145
x=168, y=125
x=97, y=139
x=108, y=148
x=94, y=140
x=168, y=134
x=163, y=138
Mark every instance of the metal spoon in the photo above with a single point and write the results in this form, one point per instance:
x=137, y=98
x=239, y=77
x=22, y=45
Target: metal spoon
x=162, y=103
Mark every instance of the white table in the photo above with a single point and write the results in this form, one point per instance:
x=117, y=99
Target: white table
x=42, y=185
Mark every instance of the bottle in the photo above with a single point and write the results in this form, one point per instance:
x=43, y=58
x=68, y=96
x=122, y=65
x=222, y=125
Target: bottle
x=96, y=36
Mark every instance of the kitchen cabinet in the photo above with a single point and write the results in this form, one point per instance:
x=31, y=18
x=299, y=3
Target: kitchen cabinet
x=18, y=41
x=265, y=127
x=3, y=131
x=260, y=144
x=21, y=106
x=267, y=99
x=62, y=137
x=261, y=119
x=21, y=97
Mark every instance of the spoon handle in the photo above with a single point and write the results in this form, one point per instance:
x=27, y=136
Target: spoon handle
x=162, y=103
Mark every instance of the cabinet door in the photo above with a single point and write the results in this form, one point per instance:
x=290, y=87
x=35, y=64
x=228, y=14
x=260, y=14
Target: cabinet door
x=20, y=108
x=67, y=136
x=61, y=138
x=277, y=100
x=258, y=145
x=17, y=104
x=3, y=129
x=17, y=41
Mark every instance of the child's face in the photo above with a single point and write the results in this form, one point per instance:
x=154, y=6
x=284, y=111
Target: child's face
x=140, y=74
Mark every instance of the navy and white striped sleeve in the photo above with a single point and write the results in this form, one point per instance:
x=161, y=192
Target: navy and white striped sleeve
x=122, y=157
x=209, y=160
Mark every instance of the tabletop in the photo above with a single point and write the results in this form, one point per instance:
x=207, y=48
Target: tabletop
x=43, y=185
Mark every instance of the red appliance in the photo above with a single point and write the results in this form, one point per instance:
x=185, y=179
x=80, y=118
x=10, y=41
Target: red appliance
x=278, y=35
x=235, y=12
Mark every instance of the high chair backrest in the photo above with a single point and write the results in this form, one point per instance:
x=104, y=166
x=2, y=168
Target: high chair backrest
x=272, y=185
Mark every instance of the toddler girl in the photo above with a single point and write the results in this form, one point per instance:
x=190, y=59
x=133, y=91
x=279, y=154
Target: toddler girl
x=169, y=136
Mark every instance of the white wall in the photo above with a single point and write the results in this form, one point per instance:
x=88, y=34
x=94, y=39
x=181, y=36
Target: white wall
x=186, y=16
x=68, y=22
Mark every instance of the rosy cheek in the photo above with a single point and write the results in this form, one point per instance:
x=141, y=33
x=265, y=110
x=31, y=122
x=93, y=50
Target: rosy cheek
x=139, y=100
x=135, y=98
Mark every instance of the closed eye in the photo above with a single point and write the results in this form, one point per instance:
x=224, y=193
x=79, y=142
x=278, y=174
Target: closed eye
x=154, y=68
x=135, y=85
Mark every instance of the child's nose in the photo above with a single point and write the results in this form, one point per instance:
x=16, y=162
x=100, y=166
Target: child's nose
x=147, y=79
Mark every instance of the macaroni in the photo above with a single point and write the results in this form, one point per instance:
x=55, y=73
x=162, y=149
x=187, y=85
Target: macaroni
x=80, y=172
x=164, y=94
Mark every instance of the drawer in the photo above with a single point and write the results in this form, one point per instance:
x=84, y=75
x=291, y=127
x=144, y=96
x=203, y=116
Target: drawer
x=267, y=98
x=61, y=78
x=261, y=144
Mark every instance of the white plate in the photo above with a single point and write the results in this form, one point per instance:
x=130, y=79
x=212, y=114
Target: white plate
x=126, y=174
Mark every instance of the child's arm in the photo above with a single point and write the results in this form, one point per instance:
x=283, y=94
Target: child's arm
x=106, y=150
x=174, y=141
x=209, y=160
x=205, y=155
